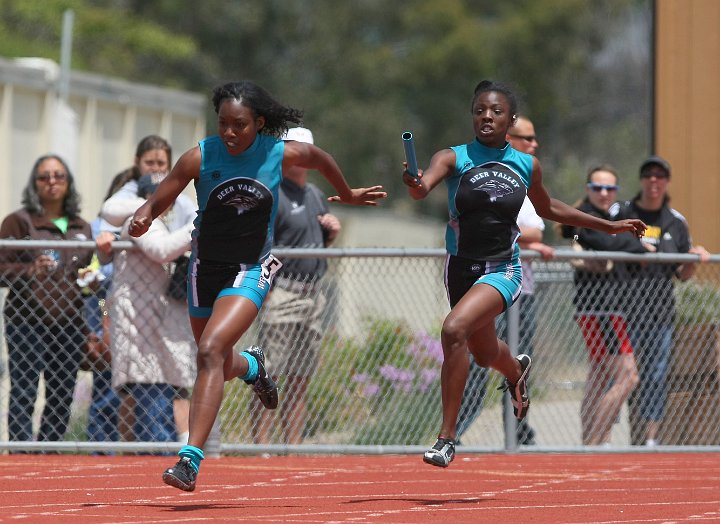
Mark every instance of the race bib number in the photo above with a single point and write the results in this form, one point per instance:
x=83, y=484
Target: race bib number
x=270, y=266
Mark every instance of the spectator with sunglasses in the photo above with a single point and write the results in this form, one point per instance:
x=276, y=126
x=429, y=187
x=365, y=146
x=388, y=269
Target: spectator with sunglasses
x=653, y=315
x=44, y=324
x=602, y=292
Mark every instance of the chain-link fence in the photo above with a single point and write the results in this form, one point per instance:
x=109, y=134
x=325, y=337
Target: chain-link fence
x=363, y=373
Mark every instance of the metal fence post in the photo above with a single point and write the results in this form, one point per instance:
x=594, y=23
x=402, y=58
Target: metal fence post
x=212, y=446
x=512, y=316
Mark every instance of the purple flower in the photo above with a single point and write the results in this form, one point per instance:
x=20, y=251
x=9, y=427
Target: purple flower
x=426, y=346
x=405, y=375
x=405, y=387
x=389, y=372
x=415, y=351
x=427, y=378
x=434, y=350
x=370, y=390
x=360, y=378
x=394, y=374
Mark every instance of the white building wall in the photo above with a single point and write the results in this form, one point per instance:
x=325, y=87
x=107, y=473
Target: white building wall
x=96, y=132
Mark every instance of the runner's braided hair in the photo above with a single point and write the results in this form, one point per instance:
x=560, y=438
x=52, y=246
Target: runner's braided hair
x=277, y=116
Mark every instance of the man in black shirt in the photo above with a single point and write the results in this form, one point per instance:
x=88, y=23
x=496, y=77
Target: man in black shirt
x=653, y=315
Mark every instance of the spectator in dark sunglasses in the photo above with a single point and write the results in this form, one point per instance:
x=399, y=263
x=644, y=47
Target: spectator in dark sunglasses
x=602, y=290
x=44, y=325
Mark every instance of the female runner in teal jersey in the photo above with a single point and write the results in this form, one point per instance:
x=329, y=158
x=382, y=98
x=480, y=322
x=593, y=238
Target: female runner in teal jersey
x=487, y=181
x=236, y=175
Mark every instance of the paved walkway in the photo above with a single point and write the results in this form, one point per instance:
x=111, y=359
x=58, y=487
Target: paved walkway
x=555, y=423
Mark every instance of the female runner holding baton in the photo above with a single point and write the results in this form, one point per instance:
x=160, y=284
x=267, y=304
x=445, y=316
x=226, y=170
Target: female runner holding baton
x=487, y=181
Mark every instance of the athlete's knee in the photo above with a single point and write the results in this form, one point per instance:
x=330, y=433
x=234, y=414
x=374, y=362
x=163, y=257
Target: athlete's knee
x=454, y=334
x=210, y=353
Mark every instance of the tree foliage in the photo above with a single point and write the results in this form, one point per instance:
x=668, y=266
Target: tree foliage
x=106, y=40
x=367, y=70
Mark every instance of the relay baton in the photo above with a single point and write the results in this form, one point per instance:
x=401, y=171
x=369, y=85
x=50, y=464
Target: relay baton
x=409, y=145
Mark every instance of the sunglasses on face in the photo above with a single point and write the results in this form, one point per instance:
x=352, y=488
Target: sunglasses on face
x=527, y=138
x=59, y=176
x=651, y=174
x=599, y=187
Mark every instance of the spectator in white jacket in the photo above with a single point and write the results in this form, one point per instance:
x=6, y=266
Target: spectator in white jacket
x=153, y=353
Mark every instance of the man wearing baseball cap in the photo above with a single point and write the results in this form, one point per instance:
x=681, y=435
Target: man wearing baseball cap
x=652, y=313
x=291, y=330
x=655, y=162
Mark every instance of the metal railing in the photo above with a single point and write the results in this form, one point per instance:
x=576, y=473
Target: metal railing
x=374, y=386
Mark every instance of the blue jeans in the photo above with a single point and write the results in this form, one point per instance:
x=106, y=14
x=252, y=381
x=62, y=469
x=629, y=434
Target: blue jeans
x=652, y=345
x=53, y=352
x=103, y=413
x=154, y=415
x=476, y=385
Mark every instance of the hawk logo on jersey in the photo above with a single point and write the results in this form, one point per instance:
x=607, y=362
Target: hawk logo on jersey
x=242, y=203
x=242, y=194
x=495, y=189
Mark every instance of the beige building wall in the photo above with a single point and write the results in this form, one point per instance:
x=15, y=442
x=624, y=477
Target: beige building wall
x=96, y=130
x=687, y=110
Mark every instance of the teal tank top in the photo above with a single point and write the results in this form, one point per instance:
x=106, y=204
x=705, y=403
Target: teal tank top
x=237, y=200
x=484, y=198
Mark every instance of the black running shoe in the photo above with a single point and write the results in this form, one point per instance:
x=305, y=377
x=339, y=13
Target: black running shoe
x=519, y=391
x=181, y=476
x=441, y=454
x=264, y=386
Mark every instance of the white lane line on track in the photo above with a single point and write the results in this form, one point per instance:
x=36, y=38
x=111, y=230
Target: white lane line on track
x=216, y=488
x=457, y=508
x=439, y=505
x=434, y=500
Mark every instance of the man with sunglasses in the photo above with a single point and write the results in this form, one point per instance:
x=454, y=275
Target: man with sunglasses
x=521, y=137
x=653, y=315
x=602, y=292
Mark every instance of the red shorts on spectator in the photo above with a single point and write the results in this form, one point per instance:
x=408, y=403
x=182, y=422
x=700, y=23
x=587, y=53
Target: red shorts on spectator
x=604, y=333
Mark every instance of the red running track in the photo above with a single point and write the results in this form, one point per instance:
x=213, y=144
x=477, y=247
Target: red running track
x=496, y=488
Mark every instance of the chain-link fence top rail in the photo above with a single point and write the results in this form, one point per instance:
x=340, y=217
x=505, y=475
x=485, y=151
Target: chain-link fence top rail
x=374, y=384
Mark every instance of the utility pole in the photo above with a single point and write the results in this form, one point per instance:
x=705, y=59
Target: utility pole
x=66, y=55
x=65, y=135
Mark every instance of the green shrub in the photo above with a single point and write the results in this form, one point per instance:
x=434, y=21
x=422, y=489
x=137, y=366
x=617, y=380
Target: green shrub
x=697, y=303
x=375, y=389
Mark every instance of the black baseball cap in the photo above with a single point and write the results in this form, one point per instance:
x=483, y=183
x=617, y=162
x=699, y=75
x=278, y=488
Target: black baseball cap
x=658, y=161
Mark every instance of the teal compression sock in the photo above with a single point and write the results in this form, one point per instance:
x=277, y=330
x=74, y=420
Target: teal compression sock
x=252, y=371
x=194, y=454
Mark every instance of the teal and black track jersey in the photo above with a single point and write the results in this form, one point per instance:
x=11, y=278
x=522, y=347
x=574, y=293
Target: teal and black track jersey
x=237, y=200
x=484, y=198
